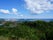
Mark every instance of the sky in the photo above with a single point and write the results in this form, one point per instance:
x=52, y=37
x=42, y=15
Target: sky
x=27, y=9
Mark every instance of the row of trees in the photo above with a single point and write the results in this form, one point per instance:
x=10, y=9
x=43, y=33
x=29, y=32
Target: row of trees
x=37, y=30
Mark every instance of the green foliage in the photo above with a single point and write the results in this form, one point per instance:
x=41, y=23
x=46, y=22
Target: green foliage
x=37, y=30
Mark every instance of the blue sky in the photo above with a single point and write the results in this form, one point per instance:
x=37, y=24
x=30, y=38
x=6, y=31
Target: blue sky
x=40, y=9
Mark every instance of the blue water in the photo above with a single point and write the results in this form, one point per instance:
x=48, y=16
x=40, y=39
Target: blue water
x=26, y=19
x=47, y=20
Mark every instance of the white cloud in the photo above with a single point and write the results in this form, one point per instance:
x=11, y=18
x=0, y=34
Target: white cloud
x=21, y=15
x=4, y=11
x=14, y=10
x=39, y=6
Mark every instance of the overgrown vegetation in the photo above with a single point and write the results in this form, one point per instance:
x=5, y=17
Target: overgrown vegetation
x=37, y=30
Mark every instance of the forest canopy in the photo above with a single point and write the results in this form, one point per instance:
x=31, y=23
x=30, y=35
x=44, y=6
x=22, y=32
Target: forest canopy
x=28, y=30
